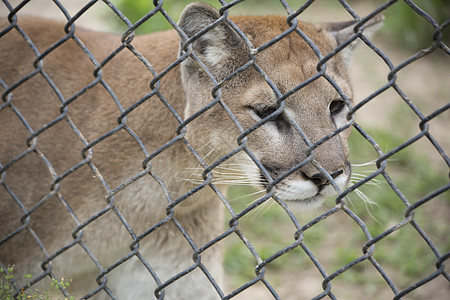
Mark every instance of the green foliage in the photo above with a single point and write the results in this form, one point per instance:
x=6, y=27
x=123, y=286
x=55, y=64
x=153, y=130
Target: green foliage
x=134, y=10
x=411, y=31
x=8, y=292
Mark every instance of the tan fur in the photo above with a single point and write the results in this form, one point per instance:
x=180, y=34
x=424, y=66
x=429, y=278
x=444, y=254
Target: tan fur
x=119, y=157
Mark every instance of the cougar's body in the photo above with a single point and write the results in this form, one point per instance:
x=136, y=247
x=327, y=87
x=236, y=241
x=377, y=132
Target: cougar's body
x=68, y=165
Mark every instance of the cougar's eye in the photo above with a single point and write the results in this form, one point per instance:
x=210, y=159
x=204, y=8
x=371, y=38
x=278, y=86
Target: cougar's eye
x=279, y=120
x=336, y=106
x=264, y=112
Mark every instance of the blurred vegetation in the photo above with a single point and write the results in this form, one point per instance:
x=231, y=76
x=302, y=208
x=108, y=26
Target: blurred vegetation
x=8, y=291
x=270, y=230
x=406, y=27
x=134, y=10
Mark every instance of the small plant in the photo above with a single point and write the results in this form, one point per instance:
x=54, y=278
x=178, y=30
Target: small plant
x=8, y=292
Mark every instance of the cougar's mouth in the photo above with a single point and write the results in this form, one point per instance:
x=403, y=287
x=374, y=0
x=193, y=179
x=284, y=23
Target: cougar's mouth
x=299, y=194
x=302, y=195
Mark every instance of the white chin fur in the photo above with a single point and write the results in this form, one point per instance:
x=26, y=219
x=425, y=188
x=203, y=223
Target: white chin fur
x=294, y=190
x=305, y=205
x=302, y=196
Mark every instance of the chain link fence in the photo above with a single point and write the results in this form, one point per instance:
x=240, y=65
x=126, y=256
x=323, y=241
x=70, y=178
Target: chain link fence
x=341, y=251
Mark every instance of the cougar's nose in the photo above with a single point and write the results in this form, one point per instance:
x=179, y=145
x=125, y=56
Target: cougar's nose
x=320, y=179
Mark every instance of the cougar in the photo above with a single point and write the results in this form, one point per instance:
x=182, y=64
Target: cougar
x=114, y=195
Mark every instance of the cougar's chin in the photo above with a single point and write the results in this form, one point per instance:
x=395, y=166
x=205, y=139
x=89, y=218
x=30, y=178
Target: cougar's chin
x=302, y=205
x=299, y=195
x=302, y=196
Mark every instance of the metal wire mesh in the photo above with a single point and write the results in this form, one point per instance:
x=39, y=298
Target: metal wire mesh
x=82, y=229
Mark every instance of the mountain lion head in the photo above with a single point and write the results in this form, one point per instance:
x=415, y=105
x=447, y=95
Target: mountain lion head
x=293, y=110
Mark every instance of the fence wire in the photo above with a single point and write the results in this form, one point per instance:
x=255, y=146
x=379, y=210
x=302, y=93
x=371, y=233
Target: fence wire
x=28, y=220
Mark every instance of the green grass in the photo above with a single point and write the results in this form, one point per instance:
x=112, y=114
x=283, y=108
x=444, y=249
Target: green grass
x=416, y=176
x=8, y=292
x=270, y=230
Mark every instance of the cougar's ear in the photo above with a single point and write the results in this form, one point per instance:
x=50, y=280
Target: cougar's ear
x=342, y=31
x=219, y=47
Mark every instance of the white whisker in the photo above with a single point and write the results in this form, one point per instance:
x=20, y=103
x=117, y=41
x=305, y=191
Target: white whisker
x=366, y=200
x=248, y=195
x=369, y=163
x=349, y=200
x=269, y=205
x=358, y=177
